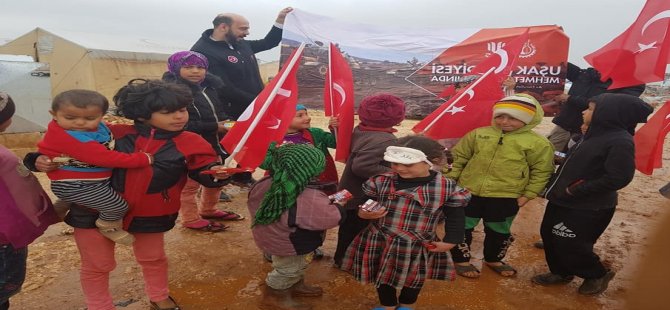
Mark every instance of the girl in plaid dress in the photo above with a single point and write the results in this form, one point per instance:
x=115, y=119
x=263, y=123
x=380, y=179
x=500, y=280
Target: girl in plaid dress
x=400, y=248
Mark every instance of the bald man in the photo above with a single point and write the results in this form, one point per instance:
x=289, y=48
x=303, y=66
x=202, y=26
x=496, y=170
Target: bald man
x=231, y=57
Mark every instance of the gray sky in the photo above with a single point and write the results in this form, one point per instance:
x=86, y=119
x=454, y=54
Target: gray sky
x=590, y=24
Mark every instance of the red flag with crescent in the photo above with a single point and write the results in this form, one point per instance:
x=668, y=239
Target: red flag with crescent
x=649, y=141
x=640, y=54
x=338, y=95
x=267, y=118
x=472, y=106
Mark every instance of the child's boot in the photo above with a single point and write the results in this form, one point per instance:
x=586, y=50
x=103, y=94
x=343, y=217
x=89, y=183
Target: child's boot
x=113, y=230
x=301, y=289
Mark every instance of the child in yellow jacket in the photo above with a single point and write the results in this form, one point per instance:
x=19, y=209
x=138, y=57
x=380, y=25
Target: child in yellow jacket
x=504, y=166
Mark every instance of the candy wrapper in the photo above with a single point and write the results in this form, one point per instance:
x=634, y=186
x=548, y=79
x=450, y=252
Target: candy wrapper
x=340, y=196
x=371, y=206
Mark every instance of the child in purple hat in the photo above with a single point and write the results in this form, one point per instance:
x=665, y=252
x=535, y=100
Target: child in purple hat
x=207, y=117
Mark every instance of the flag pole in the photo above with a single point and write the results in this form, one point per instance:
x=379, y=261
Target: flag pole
x=296, y=56
x=330, y=87
x=457, y=99
x=330, y=77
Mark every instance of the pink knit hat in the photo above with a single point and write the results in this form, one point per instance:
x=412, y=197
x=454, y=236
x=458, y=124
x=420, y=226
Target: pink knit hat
x=381, y=111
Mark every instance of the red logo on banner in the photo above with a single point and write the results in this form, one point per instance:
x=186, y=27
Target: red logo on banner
x=232, y=59
x=540, y=70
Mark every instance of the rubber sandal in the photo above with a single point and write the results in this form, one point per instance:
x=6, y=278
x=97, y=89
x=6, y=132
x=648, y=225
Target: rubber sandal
x=207, y=226
x=500, y=269
x=155, y=306
x=463, y=270
x=223, y=216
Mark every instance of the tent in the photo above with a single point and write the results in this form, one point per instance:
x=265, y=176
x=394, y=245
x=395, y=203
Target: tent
x=100, y=62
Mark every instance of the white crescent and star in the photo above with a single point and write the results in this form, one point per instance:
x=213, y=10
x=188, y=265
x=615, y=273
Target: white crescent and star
x=642, y=46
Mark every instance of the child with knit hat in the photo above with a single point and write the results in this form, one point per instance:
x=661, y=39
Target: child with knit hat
x=378, y=115
x=25, y=212
x=291, y=214
x=504, y=166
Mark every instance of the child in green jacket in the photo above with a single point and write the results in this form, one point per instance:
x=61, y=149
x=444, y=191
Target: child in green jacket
x=504, y=166
x=301, y=132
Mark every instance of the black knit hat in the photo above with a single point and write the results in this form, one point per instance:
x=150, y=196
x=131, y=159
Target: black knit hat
x=7, y=107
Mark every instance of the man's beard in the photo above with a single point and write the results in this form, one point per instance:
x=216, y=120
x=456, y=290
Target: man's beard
x=230, y=37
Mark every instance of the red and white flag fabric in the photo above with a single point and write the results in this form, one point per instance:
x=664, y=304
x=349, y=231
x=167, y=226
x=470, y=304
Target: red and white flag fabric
x=649, y=141
x=338, y=95
x=267, y=118
x=447, y=92
x=472, y=107
x=640, y=54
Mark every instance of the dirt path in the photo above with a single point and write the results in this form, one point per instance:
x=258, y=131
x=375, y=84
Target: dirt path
x=226, y=270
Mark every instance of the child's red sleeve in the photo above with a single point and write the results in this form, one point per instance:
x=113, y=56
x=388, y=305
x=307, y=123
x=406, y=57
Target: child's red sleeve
x=57, y=143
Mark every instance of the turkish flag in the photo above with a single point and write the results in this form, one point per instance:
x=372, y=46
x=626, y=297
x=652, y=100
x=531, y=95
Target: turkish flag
x=649, y=140
x=338, y=96
x=472, y=107
x=267, y=118
x=447, y=92
x=639, y=55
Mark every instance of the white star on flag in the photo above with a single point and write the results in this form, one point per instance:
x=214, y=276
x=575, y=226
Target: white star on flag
x=644, y=47
x=454, y=109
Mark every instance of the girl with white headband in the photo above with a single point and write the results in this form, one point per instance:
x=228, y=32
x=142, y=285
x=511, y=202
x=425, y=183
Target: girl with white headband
x=400, y=248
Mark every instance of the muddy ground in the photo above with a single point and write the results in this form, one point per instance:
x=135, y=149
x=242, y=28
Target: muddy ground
x=226, y=270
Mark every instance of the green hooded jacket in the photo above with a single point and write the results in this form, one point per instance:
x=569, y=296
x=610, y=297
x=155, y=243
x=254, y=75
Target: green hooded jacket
x=490, y=163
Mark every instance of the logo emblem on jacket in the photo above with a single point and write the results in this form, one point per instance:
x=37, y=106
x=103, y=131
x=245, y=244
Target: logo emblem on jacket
x=232, y=59
x=563, y=231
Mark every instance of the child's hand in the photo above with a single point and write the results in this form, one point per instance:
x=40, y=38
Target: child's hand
x=521, y=201
x=438, y=246
x=509, y=83
x=333, y=121
x=372, y=215
x=221, y=127
x=220, y=175
x=44, y=164
x=151, y=158
x=562, y=98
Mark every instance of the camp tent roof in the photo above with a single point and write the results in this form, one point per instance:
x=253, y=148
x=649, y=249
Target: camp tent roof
x=126, y=46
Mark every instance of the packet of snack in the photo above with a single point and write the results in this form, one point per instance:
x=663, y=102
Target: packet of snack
x=341, y=196
x=371, y=206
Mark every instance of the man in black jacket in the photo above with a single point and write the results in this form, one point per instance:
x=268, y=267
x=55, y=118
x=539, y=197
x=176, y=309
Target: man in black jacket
x=585, y=84
x=232, y=58
x=582, y=194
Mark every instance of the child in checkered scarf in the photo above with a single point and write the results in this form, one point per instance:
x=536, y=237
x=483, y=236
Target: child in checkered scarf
x=291, y=213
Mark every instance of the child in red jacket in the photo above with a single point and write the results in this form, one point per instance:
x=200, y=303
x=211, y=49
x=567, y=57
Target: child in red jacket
x=158, y=110
x=79, y=139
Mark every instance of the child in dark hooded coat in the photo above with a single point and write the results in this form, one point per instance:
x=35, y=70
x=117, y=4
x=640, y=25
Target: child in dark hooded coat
x=582, y=194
